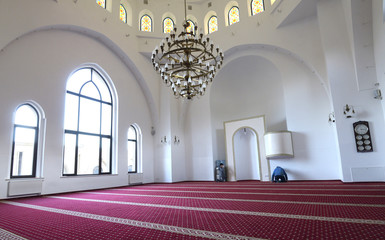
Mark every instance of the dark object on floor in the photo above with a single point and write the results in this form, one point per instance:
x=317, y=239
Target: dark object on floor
x=279, y=175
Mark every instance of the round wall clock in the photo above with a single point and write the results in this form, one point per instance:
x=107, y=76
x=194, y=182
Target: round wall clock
x=361, y=129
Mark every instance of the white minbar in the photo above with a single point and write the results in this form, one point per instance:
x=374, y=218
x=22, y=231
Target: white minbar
x=278, y=144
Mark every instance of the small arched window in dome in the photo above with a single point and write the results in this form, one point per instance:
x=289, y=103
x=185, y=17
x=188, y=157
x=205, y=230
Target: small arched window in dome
x=191, y=27
x=146, y=23
x=168, y=25
x=101, y=3
x=233, y=15
x=257, y=6
x=213, y=24
x=123, y=14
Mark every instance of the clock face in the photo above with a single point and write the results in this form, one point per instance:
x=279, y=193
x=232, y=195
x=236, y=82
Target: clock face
x=361, y=129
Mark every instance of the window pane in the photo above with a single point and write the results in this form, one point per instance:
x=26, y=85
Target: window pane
x=88, y=154
x=23, y=152
x=101, y=3
x=131, y=146
x=233, y=15
x=76, y=81
x=213, y=24
x=131, y=133
x=106, y=146
x=122, y=14
x=146, y=24
x=257, y=7
x=106, y=119
x=26, y=115
x=102, y=86
x=71, y=112
x=69, y=153
x=168, y=25
x=191, y=27
x=89, y=119
x=90, y=90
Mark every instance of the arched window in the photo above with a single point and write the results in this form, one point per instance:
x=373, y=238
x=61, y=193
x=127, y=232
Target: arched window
x=168, y=25
x=146, y=23
x=132, y=147
x=213, y=24
x=257, y=6
x=123, y=14
x=191, y=27
x=233, y=15
x=87, y=124
x=25, y=142
x=101, y=3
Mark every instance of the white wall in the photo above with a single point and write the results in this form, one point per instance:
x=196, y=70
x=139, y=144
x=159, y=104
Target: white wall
x=346, y=88
x=36, y=67
x=246, y=86
x=312, y=63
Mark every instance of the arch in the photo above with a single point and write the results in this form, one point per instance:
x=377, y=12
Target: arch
x=194, y=20
x=128, y=9
x=114, y=47
x=134, y=148
x=257, y=125
x=169, y=15
x=206, y=21
x=148, y=13
x=256, y=7
x=146, y=23
x=245, y=49
x=232, y=5
x=233, y=15
x=212, y=24
x=90, y=123
x=246, y=150
x=191, y=27
x=122, y=13
x=168, y=25
x=28, y=141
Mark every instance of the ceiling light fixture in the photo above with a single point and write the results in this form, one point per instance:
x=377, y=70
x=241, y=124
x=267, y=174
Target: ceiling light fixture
x=187, y=62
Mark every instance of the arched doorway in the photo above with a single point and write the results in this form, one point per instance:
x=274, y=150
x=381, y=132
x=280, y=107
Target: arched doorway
x=256, y=128
x=246, y=155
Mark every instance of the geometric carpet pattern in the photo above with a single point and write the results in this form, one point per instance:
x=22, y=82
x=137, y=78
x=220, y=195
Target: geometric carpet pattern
x=203, y=210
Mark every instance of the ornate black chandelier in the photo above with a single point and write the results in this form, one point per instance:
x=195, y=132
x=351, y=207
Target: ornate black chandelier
x=187, y=62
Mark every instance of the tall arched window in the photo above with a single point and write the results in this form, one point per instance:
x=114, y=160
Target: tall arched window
x=101, y=3
x=123, y=14
x=87, y=124
x=25, y=142
x=132, y=147
x=146, y=23
x=191, y=27
x=213, y=24
x=168, y=25
x=257, y=6
x=233, y=15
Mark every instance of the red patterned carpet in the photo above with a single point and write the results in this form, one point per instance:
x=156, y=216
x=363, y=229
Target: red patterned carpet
x=203, y=210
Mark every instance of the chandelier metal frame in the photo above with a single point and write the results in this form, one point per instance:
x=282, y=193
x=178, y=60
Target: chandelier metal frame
x=187, y=62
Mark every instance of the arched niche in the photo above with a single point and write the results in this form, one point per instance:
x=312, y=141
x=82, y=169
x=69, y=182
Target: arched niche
x=257, y=125
x=246, y=156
